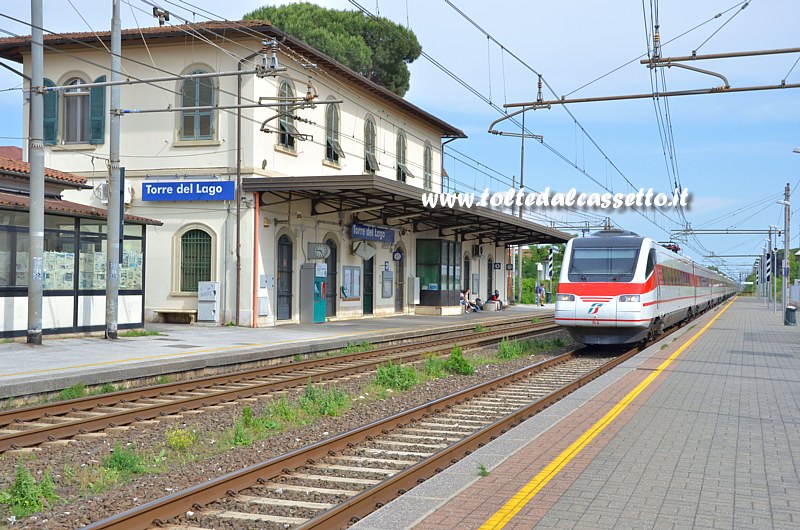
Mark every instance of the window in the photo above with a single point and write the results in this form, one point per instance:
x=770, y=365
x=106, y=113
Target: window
x=402, y=169
x=195, y=259
x=370, y=161
x=288, y=133
x=427, y=167
x=76, y=112
x=607, y=264
x=333, y=150
x=197, y=124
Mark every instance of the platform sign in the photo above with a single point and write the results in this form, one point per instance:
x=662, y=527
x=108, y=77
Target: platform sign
x=371, y=233
x=197, y=190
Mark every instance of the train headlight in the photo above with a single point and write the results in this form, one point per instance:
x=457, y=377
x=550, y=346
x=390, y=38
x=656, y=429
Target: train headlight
x=565, y=297
x=630, y=298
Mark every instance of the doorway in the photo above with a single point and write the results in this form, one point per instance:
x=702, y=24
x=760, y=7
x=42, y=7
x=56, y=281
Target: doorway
x=369, y=272
x=399, y=284
x=330, y=281
x=284, y=278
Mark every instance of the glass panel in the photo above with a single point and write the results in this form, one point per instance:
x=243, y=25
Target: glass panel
x=204, y=129
x=92, y=262
x=76, y=113
x=59, y=260
x=11, y=218
x=130, y=272
x=603, y=264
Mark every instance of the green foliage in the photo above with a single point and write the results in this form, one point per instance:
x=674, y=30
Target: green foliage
x=124, y=461
x=317, y=401
x=482, y=471
x=456, y=364
x=241, y=435
x=138, y=333
x=434, y=367
x=282, y=410
x=535, y=320
x=537, y=345
x=377, y=49
x=479, y=329
x=298, y=357
x=78, y=390
x=357, y=347
x=396, y=376
x=26, y=496
x=510, y=349
x=162, y=380
x=180, y=439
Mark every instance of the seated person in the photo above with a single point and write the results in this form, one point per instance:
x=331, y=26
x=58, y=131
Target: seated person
x=495, y=297
x=470, y=304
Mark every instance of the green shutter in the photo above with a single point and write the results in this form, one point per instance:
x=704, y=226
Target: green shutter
x=50, y=115
x=97, y=112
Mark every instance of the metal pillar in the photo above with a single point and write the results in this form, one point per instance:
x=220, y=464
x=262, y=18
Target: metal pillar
x=114, y=197
x=36, y=159
x=786, y=254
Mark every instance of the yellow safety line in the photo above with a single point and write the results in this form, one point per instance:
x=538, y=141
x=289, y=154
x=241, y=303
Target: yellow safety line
x=502, y=516
x=194, y=352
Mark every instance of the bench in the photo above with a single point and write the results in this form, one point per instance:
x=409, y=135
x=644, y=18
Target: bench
x=177, y=316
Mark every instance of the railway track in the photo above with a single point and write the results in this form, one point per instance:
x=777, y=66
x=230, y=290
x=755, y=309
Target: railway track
x=334, y=482
x=35, y=425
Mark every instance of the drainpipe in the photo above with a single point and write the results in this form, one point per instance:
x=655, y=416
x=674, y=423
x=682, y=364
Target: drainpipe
x=239, y=184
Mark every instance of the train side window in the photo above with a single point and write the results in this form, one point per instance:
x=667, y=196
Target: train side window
x=651, y=263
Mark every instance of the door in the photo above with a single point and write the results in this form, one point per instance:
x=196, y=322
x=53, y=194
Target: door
x=465, y=273
x=330, y=281
x=490, y=277
x=369, y=272
x=399, y=291
x=284, y=278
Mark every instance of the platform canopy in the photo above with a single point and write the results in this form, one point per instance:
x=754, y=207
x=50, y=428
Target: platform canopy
x=375, y=199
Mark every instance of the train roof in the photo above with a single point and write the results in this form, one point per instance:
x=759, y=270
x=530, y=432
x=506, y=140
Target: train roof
x=609, y=238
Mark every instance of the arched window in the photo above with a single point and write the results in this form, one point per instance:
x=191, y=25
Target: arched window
x=333, y=150
x=370, y=160
x=195, y=259
x=402, y=168
x=76, y=112
x=197, y=124
x=427, y=167
x=287, y=131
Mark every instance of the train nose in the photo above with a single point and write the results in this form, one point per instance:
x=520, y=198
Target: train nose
x=597, y=310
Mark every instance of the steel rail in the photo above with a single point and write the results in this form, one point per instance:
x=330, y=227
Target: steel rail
x=10, y=416
x=412, y=353
x=193, y=498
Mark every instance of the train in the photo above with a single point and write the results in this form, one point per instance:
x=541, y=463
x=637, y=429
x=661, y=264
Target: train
x=616, y=287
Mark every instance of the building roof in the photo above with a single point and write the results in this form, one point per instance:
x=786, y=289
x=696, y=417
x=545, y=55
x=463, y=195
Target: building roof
x=13, y=48
x=13, y=201
x=375, y=199
x=11, y=151
x=18, y=168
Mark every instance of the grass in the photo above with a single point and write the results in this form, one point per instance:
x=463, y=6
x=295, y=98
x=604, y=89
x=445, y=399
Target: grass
x=298, y=357
x=510, y=349
x=139, y=333
x=482, y=471
x=78, y=390
x=357, y=347
x=180, y=440
x=162, y=380
x=479, y=329
x=124, y=461
x=535, y=320
x=396, y=376
x=25, y=496
x=457, y=364
x=514, y=349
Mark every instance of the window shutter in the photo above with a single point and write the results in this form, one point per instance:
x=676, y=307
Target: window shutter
x=97, y=112
x=50, y=115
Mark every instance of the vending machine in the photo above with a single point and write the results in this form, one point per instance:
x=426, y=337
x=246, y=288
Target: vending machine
x=312, y=292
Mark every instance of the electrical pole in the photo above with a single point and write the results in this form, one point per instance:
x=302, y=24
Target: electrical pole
x=113, y=230
x=786, y=258
x=521, y=185
x=36, y=159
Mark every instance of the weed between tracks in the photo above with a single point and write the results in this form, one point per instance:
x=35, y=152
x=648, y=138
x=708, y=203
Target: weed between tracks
x=183, y=445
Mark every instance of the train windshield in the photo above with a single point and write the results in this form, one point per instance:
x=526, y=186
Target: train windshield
x=606, y=264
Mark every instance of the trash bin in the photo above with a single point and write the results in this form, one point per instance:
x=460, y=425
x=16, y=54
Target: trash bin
x=548, y=299
x=790, y=318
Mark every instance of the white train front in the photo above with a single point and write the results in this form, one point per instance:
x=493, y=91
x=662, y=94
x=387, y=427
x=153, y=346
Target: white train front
x=617, y=287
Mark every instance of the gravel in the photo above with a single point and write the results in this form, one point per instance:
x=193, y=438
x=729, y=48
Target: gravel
x=69, y=464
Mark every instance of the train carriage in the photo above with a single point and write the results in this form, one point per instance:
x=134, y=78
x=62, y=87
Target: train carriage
x=617, y=287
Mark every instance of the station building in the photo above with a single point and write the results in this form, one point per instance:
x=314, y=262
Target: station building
x=290, y=180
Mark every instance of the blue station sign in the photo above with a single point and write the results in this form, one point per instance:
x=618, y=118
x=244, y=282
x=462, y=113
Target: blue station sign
x=371, y=233
x=197, y=190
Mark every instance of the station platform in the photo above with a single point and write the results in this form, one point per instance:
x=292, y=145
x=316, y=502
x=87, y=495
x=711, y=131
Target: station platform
x=59, y=363
x=699, y=431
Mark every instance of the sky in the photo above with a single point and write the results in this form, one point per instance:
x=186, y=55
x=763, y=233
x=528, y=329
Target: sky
x=733, y=152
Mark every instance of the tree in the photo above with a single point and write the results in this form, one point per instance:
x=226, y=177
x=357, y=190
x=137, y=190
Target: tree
x=377, y=49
